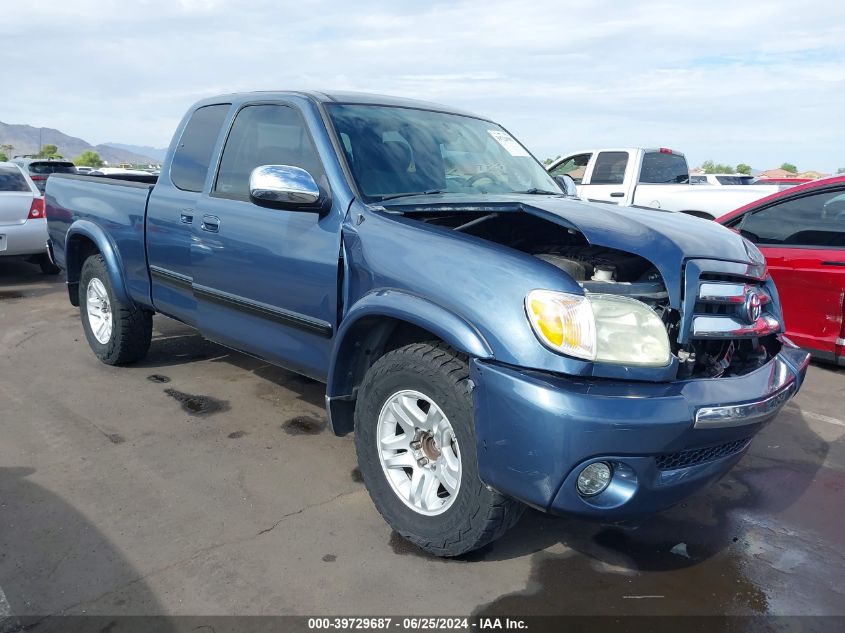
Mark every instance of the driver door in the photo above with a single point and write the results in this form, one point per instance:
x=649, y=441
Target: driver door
x=266, y=280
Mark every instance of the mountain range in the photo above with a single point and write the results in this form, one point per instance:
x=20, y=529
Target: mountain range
x=24, y=139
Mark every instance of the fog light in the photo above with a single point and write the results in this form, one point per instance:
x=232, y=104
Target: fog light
x=594, y=479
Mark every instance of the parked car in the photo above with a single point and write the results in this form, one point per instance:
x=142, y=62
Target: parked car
x=720, y=180
x=39, y=169
x=84, y=169
x=23, y=225
x=656, y=178
x=801, y=231
x=490, y=341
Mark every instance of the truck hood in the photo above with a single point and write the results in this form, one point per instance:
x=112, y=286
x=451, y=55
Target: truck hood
x=666, y=239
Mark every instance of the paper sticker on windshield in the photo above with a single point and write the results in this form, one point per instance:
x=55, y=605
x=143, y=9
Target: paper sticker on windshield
x=508, y=142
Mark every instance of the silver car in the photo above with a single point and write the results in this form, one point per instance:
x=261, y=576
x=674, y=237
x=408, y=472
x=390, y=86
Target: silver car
x=23, y=225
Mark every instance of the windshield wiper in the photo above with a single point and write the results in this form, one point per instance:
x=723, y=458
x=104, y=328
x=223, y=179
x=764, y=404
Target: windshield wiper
x=393, y=196
x=534, y=191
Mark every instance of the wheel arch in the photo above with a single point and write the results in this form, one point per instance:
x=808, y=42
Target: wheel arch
x=378, y=323
x=84, y=238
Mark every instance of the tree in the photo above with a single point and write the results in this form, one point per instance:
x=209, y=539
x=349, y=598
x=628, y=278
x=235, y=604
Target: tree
x=6, y=150
x=710, y=167
x=3, y=157
x=89, y=158
x=549, y=161
x=792, y=169
x=48, y=151
x=841, y=170
x=742, y=168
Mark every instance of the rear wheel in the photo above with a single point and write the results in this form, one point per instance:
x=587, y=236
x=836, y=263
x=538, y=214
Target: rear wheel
x=415, y=439
x=117, y=332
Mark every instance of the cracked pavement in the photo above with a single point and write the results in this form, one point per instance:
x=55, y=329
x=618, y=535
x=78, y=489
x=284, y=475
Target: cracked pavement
x=202, y=481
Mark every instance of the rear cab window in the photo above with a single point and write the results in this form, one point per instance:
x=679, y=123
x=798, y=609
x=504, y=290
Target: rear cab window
x=12, y=180
x=193, y=155
x=663, y=167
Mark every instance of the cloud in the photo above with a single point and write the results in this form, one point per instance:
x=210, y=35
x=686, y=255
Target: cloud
x=736, y=82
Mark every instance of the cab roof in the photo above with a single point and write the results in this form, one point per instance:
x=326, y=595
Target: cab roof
x=345, y=97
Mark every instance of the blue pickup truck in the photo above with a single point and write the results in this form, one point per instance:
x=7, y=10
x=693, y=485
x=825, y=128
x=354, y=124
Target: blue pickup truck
x=491, y=341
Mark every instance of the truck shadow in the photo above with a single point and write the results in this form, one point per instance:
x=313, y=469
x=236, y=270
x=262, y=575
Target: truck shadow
x=55, y=562
x=176, y=344
x=708, y=552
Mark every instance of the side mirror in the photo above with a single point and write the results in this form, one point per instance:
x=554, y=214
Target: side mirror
x=285, y=187
x=566, y=184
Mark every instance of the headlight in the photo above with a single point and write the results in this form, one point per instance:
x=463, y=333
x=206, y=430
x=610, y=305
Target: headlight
x=603, y=328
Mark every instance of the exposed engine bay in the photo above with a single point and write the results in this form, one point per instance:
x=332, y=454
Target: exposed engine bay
x=603, y=270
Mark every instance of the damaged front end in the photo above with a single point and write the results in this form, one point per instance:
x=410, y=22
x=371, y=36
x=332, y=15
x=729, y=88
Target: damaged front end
x=722, y=318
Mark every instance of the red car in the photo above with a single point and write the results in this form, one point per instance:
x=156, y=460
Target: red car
x=801, y=231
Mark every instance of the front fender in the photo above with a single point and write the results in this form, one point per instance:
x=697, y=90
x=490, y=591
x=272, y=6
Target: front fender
x=369, y=316
x=404, y=307
x=111, y=256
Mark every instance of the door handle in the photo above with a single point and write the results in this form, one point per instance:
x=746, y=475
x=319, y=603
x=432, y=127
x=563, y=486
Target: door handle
x=210, y=223
x=187, y=216
x=617, y=194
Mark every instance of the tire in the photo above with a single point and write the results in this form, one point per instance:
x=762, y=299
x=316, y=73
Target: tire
x=48, y=267
x=474, y=515
x=131, y=327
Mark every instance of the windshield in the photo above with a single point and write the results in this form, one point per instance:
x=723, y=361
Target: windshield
x=394, y=151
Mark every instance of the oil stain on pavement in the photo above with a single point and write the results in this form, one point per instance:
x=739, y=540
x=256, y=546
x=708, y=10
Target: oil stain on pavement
x=304, y=425
x=198, y=405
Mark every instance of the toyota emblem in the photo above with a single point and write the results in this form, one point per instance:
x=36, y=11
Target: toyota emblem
x=753, y=306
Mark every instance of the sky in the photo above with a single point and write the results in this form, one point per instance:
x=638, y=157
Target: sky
x=753, y=82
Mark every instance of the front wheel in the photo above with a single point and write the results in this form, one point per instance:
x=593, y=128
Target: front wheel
x=118, y=333
x=415, y=439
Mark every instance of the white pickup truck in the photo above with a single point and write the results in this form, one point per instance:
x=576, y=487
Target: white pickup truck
x=657, y=178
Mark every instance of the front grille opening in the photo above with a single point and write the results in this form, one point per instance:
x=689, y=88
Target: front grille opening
x=731, y=357
x=694, y=457
x=715, y=356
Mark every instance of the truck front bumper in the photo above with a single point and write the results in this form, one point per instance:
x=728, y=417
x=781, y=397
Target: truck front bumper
x=536, y=432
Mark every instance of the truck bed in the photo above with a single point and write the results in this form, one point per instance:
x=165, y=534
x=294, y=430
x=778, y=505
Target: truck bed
x=109, y=206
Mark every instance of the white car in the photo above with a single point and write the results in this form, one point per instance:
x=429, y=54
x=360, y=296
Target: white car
x=656, y=178
x=23, y=224
x=721, y=180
